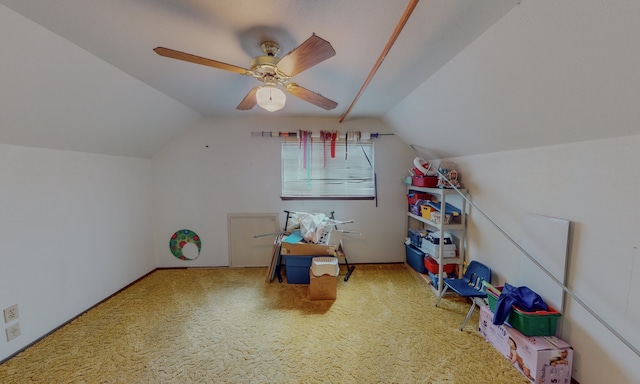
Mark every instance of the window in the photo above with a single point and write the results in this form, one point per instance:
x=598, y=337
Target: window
x=311, y=172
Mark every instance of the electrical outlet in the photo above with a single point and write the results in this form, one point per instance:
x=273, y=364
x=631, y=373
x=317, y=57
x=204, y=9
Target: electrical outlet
x=11, y=313
x=12, y=331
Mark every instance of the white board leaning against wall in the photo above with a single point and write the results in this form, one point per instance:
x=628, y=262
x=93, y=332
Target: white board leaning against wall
x=547, y=240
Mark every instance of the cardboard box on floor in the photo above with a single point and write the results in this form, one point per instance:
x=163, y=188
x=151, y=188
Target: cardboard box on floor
x=305, y=249
x=323, y=287
x=542, y=359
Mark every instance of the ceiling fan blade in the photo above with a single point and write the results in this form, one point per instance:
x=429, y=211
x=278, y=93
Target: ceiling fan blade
x=312, y=97
x=173, y=54
x=313, y=51
x=249, y=100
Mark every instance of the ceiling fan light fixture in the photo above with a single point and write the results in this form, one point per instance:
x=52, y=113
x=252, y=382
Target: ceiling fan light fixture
x=271, y=98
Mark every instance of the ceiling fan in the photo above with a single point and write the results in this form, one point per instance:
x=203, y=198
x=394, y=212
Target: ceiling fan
x=272, y=72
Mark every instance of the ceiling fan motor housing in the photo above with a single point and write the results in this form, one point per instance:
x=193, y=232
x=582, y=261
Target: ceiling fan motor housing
x=265, y=68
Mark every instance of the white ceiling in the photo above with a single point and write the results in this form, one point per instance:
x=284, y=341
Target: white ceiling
x=124, y=33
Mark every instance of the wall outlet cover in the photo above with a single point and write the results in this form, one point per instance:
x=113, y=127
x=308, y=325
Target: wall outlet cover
x=11, y=313
x=12, y=331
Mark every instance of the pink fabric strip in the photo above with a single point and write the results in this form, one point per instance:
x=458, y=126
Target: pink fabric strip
x=304, y=149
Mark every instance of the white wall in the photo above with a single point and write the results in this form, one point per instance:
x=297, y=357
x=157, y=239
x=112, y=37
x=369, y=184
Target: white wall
x=74, y=229
x=196, y=186
x=57, y=95
x=594, y=184
x=552, y=72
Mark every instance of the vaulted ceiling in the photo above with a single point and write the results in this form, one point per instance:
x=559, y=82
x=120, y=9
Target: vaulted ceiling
x=124, y=33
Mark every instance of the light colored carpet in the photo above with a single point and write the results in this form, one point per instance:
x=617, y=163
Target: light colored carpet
x=229, y=326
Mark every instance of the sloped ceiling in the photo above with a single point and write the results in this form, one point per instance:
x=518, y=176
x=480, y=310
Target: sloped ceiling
x=142, y=88
x=548, y=73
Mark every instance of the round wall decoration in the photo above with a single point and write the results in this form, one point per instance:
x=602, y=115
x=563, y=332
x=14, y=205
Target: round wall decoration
x=182, y=238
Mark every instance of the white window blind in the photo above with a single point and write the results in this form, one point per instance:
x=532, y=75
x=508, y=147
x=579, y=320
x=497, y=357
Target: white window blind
x=350, y=174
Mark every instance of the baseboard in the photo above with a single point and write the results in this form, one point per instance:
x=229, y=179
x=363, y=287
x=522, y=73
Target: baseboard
x=76, y=316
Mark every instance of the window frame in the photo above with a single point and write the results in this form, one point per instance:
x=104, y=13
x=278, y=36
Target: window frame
x=352, y=158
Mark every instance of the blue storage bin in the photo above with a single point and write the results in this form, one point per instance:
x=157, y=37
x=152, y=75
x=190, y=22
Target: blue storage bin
x=297, y=268
x=415, y=258
x=415, y=237
x=434, y=279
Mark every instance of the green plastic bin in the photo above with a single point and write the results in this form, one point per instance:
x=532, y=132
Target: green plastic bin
x=539, y=323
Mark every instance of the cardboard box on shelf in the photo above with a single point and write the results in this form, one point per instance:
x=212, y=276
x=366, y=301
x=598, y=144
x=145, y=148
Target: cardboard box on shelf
x=541, y=359
x=323, y=287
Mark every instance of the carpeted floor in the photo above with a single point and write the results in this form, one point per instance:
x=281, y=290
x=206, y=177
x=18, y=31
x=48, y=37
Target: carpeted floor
x=229, y=326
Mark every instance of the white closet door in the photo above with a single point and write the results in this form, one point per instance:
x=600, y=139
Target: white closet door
x=244, y=249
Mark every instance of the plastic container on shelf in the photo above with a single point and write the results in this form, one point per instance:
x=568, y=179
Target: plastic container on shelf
x=415, y=258
x=414, y=197
x=415, y=237
x=434, y=237
x=425, y=211
x=415, y=208
x=436, y=218
x=425, y=181
x=449, y=209
x=448, y=250
x=432, y=266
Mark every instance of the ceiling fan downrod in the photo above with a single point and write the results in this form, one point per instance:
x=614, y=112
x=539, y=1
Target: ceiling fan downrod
x=270, y=48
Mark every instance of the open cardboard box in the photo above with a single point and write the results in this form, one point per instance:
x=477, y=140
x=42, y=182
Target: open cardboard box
x=292, y=245
x=305, y=249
